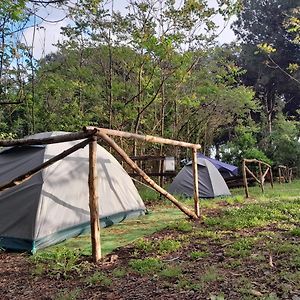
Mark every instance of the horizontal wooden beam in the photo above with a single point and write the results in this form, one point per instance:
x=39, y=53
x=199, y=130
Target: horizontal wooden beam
x=256, y=161
x=148, y=158
x=145, y=138
x=165, y=174
x=49, y=140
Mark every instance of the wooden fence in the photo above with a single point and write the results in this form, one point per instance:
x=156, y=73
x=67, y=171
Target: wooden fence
x=263, y=170
x=285, y=174
x=90, y=136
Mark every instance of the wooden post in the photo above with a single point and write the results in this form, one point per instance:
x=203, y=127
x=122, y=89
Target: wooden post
x=290, y=174
x=245, y=178
x=196, y=184
x=279, y=174
x=93, y=201
x=261, y=177
x=271, y=178
x=147, y=179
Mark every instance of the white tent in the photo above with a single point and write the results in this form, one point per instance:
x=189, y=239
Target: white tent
x=54, y=204
x=211, y=183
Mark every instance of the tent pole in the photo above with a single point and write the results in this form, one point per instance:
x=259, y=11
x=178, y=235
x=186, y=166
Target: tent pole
x=196, y=184
x=93, y=200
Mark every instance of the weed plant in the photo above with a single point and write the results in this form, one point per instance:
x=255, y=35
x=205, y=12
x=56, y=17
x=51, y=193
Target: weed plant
x=99, y=278
x=182, y=226
x=168, y=245
x=119, y=272
x=68, y=295
x=195, y=255
x=171, y=272
x=149, y=265
x=59, y=263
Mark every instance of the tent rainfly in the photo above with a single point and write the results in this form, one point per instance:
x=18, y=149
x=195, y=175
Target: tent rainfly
x=53, y=205
x=226, y=170
x=211, y=183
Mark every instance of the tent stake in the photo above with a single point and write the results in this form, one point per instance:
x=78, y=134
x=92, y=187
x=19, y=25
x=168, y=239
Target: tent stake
x=93, y=201
x=196, y=185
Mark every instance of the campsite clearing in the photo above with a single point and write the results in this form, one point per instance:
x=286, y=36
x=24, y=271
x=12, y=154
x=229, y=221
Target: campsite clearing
x=242, y=249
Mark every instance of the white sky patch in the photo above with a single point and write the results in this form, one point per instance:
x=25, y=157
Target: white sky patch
x=224, y=32
x=47, y=33
x=44, y=38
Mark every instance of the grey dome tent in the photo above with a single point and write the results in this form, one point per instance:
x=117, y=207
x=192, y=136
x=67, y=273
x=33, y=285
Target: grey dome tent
x=226, y=170
x=211, y=183
x=54, y=204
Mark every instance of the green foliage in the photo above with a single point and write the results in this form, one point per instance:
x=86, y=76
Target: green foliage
x=99, y=278
x=295, y=231
x=292, y=25
x=186, y=284
x=119, y=272
x=240, y=248
x=217, y=297
x=148, y=194
x=62, y=262
x=68, y=295
x=211, y=274
x=266, y=48
x=268, y=31
x=183, y=226
x=12, y=9
x=285, y=145
x=195, y=255
x=257, y=215
x=148, y=265
x=161, y=247
x=172, y=272
x=284, y=248
x=238, y=199
x=144, y=245
x=168, y=245
x=243, y=145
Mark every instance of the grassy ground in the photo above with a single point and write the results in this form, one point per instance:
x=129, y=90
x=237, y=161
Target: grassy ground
x=241, y=249
x=162, y=214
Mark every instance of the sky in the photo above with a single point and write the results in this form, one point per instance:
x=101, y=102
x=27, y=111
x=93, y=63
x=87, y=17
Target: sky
x=48, y=33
